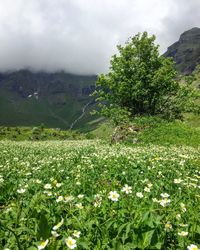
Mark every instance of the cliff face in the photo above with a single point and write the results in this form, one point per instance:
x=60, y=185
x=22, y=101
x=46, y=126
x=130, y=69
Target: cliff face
x=186, y=51
x=55, y=99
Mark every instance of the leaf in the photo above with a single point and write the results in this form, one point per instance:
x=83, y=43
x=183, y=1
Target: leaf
x=147, y=236
x=43, y=227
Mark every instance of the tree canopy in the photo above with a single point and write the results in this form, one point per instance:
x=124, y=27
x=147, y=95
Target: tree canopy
x=141, y=82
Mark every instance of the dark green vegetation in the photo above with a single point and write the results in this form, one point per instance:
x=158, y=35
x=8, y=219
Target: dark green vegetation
x=38, y=134
x=55, y=99
x=186, y=51
x=142, y=82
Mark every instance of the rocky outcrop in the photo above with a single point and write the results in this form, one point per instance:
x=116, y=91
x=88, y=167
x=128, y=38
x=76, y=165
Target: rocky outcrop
x=186, y=51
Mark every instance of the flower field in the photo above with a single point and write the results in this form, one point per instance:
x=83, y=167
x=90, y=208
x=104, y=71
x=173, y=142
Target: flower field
x=89, y=195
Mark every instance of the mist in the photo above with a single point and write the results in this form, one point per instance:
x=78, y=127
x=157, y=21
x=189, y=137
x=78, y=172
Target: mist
x=80, y=36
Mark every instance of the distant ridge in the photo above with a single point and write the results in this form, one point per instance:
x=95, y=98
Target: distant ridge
x=55, y=99
x=186, y=51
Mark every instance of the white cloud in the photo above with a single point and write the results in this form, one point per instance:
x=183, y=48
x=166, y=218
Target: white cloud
x=79, y=36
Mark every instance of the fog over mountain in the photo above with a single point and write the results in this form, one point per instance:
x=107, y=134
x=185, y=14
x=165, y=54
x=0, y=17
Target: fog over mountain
x=79, y=36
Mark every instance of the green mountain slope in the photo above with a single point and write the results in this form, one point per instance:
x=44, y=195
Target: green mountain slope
x=55, y=99
x=186, y=51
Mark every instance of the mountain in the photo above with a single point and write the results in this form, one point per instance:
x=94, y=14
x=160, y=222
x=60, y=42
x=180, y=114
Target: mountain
x=186, y=51
x=55, y=99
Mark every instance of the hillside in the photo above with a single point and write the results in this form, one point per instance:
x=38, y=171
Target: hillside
x=186, y=51
x=61, y=100
x=55, y=99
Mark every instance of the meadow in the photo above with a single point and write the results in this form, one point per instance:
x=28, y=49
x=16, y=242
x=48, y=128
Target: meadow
x=90, y=195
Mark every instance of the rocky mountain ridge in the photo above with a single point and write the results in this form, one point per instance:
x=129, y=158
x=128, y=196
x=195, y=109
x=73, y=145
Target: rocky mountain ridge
x=186, y=51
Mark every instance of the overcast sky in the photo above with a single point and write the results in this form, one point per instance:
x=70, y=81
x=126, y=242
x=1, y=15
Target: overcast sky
x=79, y=36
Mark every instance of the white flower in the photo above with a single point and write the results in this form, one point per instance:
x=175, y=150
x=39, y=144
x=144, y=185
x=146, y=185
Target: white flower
x=149, y=185
x=55, y=234
x=43, y=244
x=69, y=198
x=155, y=200
x=183, y=233
x=47, y=186
x=127, y=189
x=58, y=184
x=192, y=247
x=183, y=225
x=38, y=181
x=165, y=195
x=183, y=207
x=139, y=194
x=48, y=193
x=113, y=195
x=147, y=189
x=80, y=196
x=58, y=225
x=21, y=190
x=70, y=242
x=178, y=216
x=76, y=234
x=168, y=226
x=79, y=205
x=177, y=181
x=164, y=202
x=60, y=198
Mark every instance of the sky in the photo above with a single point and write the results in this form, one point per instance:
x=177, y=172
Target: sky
x=80, y=36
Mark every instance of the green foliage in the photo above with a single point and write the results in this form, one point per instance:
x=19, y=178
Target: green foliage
x=161, y=132
x=141, y=82
x=38, y=133
x=65, y=186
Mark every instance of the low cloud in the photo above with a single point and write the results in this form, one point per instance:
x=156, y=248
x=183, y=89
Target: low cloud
x=79, y=36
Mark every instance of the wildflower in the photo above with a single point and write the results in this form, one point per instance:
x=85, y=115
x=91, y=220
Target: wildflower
x=60, y=198
x=183, y=207
x=149, y=185
x=70, y=242
x=43, y=244
x=192, y=247
x=21, y=190
x=183, y=225
x=79, y=205
x=155, y=200
x=80, y=196
x=113, y=195
x=48, y=193
x=165, y=202
x=58, y=185
x=47, y=186
x=177, y=181
x=168, y=226
x=183, y=233
x=69, y=198
x=165, y=195
x=76, y=234
x=147, y=189
x=55, y=234
x=127, y=189
x=38, y=181
x=178, y=216
x=139, y=194
x=56, y=227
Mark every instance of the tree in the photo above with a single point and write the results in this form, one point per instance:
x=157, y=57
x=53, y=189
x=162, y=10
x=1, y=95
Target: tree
x=140, y=82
